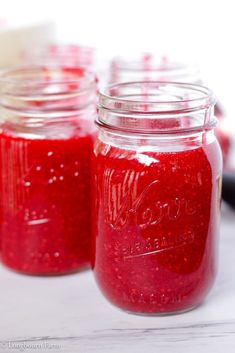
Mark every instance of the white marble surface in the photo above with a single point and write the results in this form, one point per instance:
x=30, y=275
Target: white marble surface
x=68, y=314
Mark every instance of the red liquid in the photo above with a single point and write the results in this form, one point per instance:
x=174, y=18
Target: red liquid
x=46, y=203
x=156, y=226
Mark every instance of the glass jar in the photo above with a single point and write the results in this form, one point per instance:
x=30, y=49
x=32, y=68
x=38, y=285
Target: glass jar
x=64, y=55
x=71, y=57
x=157, y=181
x=149, y=67
x=46, y=141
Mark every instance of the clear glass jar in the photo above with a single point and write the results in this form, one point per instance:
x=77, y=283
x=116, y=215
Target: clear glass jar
x=72, y=55
x=157, y=181
x=69, y=57
x=46, y=140
x=148, y=67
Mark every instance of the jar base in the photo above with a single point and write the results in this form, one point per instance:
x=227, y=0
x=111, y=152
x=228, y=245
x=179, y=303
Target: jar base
x=176, y=312
x=49, y=274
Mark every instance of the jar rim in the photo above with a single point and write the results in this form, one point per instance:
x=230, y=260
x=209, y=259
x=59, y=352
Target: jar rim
x=180, y=99
x=106, y=99
x=44, y=93
x=24, y=77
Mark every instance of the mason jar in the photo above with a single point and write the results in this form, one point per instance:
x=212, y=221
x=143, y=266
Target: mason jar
x=46, y=142
x=157, y=186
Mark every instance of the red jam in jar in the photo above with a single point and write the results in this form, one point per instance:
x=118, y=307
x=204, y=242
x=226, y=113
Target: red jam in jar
x=46, y=144
x=157, y=197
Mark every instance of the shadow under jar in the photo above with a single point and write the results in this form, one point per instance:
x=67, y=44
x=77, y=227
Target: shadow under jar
x=157, y=187
x=46, y=141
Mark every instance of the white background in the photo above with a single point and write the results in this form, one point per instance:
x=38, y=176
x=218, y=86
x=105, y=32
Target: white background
x=201, y=31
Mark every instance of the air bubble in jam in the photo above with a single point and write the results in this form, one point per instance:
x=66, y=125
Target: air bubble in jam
x=155, y=226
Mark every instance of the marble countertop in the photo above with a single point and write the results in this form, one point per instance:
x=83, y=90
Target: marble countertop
x=68, y=314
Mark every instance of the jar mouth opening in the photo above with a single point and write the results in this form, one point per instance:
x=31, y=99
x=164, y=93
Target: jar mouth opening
x=156, y=107
x=45, y=81
x=155, y=97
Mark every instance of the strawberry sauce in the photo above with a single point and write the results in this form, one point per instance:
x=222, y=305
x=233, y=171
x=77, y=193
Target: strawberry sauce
x=46, y=203
x=156, y=226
